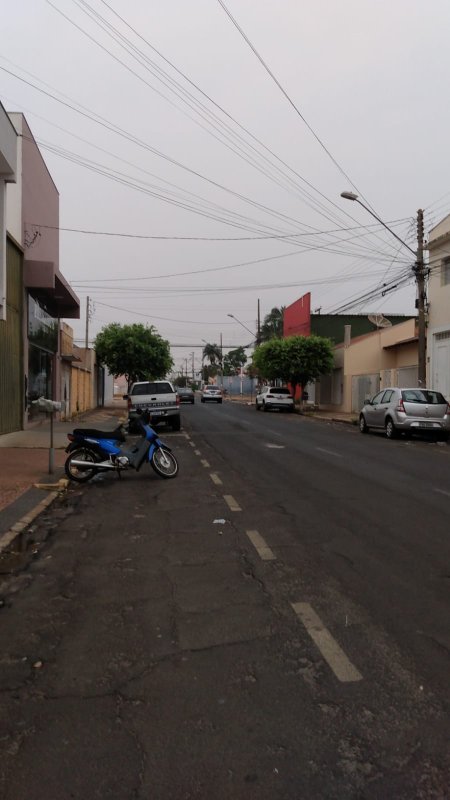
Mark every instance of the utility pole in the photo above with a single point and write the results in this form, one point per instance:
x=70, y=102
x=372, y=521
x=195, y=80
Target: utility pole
x=419, y=274
x=419, y=271
x=193, y=368
x=221, y=362
x=86, y=343
x=258, y=328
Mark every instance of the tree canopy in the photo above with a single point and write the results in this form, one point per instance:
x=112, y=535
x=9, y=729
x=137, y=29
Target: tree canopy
x=136, y=351
x=295, y=359
x=272, y=327
x=213, y=353
x=233, y=361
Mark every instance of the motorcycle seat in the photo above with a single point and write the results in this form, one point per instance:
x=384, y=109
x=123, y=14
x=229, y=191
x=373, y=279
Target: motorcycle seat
x=116, y=434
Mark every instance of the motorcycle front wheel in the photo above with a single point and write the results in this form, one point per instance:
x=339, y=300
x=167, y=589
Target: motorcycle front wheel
x=164, y=463
x=81, y=474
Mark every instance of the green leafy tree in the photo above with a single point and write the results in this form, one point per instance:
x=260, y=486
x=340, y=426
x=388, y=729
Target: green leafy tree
x=213, y=353
x=272, y=327
x=296, y=359
x=136, y=351
x=234, y=360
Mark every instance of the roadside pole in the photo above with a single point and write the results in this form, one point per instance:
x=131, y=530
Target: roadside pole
x=49, y=406
x=419, y=271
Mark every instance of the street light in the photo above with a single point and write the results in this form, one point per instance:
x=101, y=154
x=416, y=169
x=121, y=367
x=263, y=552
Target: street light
x=353, y=196
x=419, y=273
x=241, y=323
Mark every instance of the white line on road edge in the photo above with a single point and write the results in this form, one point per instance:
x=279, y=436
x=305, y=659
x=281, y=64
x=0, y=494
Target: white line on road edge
x=442, y=491
x=197, y=452
x=331, y=651
x=264, y=552
x=231, y=503
x=329, y=452
x=215, y=478
x=205, y=463
x=275, y=446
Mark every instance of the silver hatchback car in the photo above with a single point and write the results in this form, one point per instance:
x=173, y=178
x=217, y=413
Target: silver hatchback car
x=406, y=411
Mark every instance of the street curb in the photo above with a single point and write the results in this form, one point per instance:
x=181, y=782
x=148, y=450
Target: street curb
x=8, y=538
x=331, y=419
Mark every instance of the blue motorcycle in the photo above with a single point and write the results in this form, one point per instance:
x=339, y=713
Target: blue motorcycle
x=92, y=451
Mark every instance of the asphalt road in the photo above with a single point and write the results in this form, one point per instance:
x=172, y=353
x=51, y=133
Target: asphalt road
x=274, y=623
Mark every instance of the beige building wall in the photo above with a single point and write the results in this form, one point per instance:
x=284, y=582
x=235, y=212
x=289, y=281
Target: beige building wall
x=373, y=361
x=77, y=375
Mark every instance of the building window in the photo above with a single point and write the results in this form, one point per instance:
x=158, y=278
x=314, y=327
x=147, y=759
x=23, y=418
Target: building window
x=445, y=272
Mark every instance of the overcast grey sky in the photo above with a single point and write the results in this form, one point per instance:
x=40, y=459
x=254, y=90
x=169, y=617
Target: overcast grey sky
x=369, y=78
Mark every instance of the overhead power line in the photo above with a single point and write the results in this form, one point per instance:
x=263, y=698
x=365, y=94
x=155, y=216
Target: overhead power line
x=182, y=94
x=158, y=237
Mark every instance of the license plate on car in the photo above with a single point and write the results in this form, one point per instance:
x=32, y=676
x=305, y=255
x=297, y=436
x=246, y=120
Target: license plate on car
x=426, y=424
x=157, y=413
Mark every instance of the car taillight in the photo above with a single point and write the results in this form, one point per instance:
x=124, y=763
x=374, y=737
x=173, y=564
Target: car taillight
x=71, y=437
x=448, y=410
x=178, y=402
x=400, y=406
x=129, y=403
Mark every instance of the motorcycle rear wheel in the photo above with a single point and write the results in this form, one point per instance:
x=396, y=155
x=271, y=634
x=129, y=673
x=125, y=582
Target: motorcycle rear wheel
x=81, y=474
x=164, y=463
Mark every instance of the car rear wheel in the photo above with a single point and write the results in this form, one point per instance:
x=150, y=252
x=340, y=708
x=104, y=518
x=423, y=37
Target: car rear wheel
x=391, y=430
x=264, y=407
x=362, y=424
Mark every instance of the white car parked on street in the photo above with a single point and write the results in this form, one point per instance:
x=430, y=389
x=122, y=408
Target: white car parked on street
x=211, y=393
x=271, y=397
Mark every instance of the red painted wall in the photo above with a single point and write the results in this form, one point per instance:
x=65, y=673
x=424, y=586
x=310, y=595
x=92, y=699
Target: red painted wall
x=297, y=317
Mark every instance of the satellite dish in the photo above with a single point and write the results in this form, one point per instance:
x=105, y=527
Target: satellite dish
x=379, y=321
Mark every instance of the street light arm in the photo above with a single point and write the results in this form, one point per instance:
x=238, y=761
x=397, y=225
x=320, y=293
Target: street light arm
x=355, y=198
x=241, y=323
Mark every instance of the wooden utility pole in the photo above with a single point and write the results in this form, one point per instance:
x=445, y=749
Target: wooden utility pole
x=419, y=271
x=258, y=329
x=86, y=342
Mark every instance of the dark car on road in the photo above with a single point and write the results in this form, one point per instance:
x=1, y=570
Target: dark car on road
x=185, y=394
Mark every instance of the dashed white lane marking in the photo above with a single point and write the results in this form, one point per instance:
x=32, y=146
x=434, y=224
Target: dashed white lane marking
x=231, y=503
x=205, y=463
x=264, y=552
x=192, y=444
x=187, y=436
x=329, y=452
x=275, y=446
x=197, y=452
x=215, y=478
x=442, y=491
x=331, y=651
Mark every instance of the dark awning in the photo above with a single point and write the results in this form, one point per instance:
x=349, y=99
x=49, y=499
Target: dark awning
x=49, y=285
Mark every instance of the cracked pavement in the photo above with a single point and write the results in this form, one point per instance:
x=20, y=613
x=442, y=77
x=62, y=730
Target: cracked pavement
x=148, y=652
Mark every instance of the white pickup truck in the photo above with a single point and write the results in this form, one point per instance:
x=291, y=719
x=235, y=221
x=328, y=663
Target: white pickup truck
x=159, y=398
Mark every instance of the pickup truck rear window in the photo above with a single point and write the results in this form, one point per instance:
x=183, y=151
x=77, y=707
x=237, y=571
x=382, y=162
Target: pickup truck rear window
x=152, y=388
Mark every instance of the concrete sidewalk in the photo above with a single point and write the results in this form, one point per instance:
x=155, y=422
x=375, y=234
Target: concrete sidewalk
x=24, y=461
